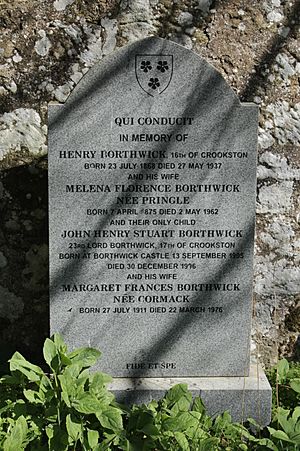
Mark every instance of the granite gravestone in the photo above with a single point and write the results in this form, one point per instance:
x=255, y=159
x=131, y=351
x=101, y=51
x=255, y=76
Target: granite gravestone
x=152, y=177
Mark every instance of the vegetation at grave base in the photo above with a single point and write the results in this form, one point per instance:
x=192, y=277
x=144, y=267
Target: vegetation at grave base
x=285, y=381
x=71, y=409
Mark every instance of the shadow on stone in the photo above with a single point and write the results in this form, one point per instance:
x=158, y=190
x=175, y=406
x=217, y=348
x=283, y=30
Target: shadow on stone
x=192, y=107
x=24, y=309
x=184, y=323
x=260, y=78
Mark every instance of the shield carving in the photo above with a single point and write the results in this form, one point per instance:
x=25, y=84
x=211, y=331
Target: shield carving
x=154, y=72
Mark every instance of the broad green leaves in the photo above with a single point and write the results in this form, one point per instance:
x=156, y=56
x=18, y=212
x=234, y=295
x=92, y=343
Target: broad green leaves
x=295, y=385
x=98, y=381
x=179, y=398
x=290, y=426
x=84, y=357
x=170, y=424
x=284, y=430
x=74, y=428
x=51, y=354
x=87, y=404
x=282, y=370
x=285, y=379
x=17, y=436
x=32, y=372
x=93, y=437
x=34, y=396
x=111, y=418
x=71, y=409
x=182, y=441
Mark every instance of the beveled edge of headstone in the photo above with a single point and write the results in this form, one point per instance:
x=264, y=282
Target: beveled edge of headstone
x=256, y=379
x=244, y=397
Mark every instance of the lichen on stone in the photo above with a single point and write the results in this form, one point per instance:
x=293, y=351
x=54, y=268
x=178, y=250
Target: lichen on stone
x=22, y=128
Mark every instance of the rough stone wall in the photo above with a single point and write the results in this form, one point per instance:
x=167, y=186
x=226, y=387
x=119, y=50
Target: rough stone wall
x=45, y=49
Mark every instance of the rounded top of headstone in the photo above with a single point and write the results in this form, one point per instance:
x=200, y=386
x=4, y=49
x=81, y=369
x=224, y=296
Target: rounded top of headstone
x=153, y=70
x=157, y=73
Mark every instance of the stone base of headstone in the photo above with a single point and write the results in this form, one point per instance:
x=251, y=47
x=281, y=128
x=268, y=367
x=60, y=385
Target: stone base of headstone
x=243, y=397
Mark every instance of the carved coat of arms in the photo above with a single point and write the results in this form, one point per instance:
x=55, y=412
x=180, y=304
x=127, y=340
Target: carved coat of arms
x=154, y=72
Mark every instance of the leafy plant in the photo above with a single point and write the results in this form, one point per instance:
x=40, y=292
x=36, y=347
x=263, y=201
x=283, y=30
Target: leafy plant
x=287, y=434
x=285, y=427
x=285, y=382
x=71, y=409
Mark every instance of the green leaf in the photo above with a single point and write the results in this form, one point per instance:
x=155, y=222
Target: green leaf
x=34, y=396
x=179, y=398
x=182, y=441
x=295, y=438
x=85, y=357
x=209, y=444
x=32, y=372
x=254, y=423
x=50, y=352
x=87, y=403
x=68, y=388
x=223, y=423
x=65, y=361
x=151, y=430
x=49, y=431
x=280, y=435
x=282, y=370
x=16, y=440
x=59, y=439
x=45, y=384
x=74, y=428
x=60, y=357
x=143, y=421
x=71, y=382
x=282, y=417
x=172, y=424
x=111, y=418
x=82, y=379
x=93, y=437
x=109, y=440
x=198, y=405
x=182, y=422
x=5, y=409
x=295, y=385
x=267, y=443
x=104, y=396
x=73, y=371
x=296, y=413
x=98, y=381
x=59, y=343
x=66, y=399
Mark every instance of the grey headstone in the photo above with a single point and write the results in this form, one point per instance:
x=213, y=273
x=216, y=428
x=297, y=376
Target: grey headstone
x=188, y=199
